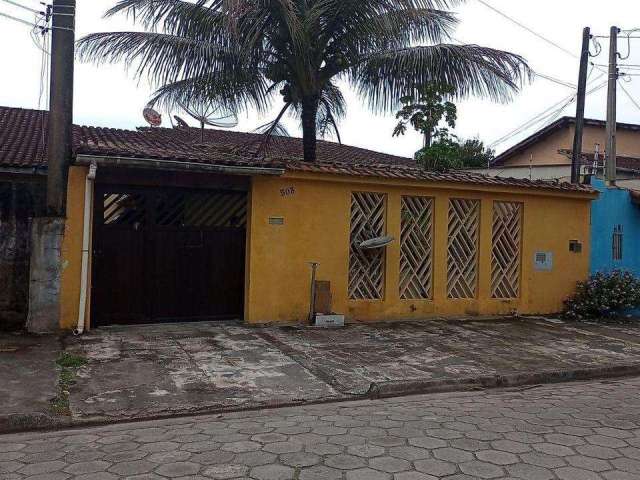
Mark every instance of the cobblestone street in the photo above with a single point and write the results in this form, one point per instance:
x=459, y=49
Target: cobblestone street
x=578, y=431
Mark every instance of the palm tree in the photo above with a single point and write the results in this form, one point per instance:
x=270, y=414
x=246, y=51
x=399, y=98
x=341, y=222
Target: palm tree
x=243, y=53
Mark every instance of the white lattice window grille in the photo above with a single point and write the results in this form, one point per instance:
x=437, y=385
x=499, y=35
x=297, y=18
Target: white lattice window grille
x=366, y=267
x=462, y=249
x=416, y=248
x=506, y=251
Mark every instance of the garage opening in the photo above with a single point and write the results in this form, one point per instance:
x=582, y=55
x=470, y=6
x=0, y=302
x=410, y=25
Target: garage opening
x=167, y=254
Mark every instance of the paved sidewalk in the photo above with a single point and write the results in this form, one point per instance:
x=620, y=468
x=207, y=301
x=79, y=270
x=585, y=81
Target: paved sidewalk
x=352, y=360
x=162, y=370
x=146, y=372
x=28, y=379
x=578, y=431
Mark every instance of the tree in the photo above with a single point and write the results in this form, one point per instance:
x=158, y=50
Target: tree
x=242, y=53
x=425, y=115
x=448, y=152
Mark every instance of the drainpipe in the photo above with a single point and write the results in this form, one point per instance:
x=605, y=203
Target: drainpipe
x=86, y=240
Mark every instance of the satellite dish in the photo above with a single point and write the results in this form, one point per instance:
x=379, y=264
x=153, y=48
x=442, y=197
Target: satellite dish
x=378, y=242
x=151, y=116
x=210, y=114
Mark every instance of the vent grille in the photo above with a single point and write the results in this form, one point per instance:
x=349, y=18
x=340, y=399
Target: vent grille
x=416, y=248
x=366, y=267
x=506, y=255
x=462, y=251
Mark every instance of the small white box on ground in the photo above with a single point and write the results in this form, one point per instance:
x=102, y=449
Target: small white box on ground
x=329, y=320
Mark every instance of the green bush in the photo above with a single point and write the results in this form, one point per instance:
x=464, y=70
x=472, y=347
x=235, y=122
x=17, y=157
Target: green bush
x=604, y=296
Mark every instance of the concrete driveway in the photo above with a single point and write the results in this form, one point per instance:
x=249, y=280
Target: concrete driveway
x=161, y=370
x=147, y=371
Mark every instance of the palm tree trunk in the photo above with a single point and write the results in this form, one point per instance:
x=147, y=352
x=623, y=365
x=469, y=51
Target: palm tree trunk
x=309, y=133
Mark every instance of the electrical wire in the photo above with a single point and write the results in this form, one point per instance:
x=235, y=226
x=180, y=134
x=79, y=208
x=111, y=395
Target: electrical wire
x=24, y=7
x=547, y=116
x=20, y=20
x=536, y=73
x=629, y=96
x=533, y=32
x=45, y=72
x=555, y=80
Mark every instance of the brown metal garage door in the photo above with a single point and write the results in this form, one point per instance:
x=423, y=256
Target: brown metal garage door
x=166, y=255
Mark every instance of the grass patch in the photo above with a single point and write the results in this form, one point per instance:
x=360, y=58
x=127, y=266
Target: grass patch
x=67, y=365
x=68, y=360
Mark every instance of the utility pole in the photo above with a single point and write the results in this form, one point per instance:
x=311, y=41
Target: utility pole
x=47, y=233
x=612, y=94
x=60, y=104
x=582, y=92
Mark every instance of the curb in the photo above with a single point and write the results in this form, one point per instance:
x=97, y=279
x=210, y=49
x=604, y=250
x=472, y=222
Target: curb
x=417, y=386
x=17, y=423
x=12, y=424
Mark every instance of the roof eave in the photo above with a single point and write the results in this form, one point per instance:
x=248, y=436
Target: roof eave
x=174, y=165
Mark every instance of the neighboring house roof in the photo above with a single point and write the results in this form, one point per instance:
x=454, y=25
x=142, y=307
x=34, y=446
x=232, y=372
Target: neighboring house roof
x=23, y=144
x=624, y=163
x=543, y=133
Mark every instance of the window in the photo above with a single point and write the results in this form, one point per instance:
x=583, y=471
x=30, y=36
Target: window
x=618, y=234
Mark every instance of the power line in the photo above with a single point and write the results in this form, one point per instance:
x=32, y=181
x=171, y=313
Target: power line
x=629, y=96
x=16, y=4
x=533, y=32
x=20, y=20
x=536, y=73
x=555, y=80
x=548, y=115
x=550, y=111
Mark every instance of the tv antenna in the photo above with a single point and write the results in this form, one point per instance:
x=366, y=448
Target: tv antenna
x=151, y=116
x=207, y=113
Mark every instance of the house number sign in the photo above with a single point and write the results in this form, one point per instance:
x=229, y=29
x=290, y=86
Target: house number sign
x=287, y=192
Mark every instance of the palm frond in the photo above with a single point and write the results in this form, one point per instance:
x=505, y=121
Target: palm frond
x=385, y=78
x=270, y=129
x=397, y=28
x=237, y=93
x=179, y=17
x=162, y=57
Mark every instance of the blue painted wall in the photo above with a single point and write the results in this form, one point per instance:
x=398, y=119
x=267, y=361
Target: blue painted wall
x=614, y=207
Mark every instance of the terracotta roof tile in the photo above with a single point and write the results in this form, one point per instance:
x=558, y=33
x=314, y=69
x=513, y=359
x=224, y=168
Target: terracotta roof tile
x=23, y=144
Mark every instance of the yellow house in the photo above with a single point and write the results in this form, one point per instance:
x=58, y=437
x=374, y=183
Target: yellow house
x=162, y=226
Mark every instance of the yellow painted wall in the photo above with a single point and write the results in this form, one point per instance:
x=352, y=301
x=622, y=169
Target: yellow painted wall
x=316, y=229
x=72, y=249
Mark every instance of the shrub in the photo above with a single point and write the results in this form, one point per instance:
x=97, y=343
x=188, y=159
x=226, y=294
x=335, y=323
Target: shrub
x=604, y=296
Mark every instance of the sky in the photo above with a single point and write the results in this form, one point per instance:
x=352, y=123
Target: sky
x=109, y=96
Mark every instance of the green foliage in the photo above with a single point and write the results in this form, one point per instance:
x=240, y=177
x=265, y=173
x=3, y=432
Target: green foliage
x=68, y=360
x=426, y=114
x=604, y=296
x=448, y=152
x=67, y=365
x=241, y=53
